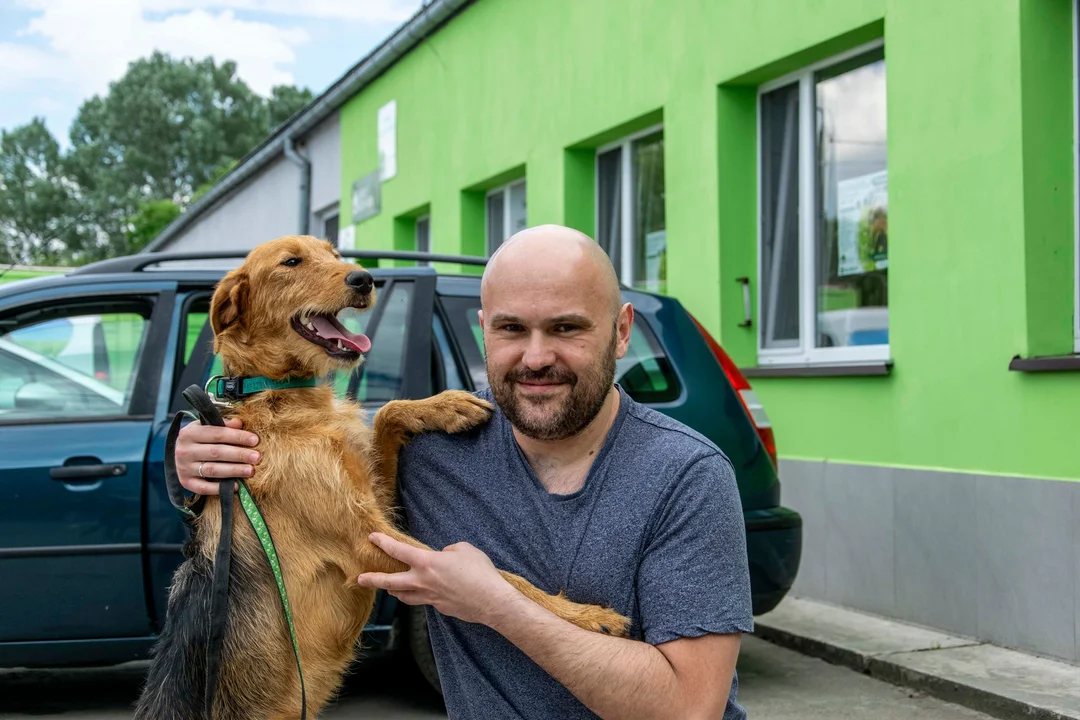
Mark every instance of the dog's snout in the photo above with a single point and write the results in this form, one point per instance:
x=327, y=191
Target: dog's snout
x=360, y=280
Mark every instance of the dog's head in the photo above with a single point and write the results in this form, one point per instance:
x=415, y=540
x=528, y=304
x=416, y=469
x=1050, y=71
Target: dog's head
x=278, y=313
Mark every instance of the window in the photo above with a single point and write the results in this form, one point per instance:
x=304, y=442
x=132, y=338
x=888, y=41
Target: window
x=76, y=366
x=505, y=213
x=630, y=216
x=645, y=372
x=423, y=236
x=823, y=243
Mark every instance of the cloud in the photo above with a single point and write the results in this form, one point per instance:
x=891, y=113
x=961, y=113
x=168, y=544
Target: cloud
x=89, y=44
x=369, y=11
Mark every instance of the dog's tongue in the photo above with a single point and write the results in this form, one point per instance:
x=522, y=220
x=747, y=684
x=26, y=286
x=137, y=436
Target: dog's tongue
x=331, y=329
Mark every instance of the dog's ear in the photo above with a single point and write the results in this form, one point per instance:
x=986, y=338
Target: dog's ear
x=230, y=302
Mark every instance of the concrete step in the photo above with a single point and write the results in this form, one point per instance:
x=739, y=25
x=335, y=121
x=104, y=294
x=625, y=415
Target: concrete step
x=1004, y=683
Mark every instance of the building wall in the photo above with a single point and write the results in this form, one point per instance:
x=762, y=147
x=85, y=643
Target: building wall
x=950, y=457
x=267, y=206
x=323, y=148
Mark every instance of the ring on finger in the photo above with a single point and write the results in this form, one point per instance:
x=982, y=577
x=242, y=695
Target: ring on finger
x=200, y=470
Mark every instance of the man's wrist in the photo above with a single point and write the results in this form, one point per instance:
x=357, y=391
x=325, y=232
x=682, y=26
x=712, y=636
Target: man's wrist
x=505, y=608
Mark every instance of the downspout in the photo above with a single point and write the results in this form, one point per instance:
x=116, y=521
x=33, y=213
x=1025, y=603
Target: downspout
x=305, y=184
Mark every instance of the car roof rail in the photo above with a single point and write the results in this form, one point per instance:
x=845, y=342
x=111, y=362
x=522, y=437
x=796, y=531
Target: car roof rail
x=141, y=261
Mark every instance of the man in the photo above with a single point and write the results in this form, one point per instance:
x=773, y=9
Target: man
x=574, y=486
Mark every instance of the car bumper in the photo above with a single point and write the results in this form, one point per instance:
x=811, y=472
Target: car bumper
x=773, y=547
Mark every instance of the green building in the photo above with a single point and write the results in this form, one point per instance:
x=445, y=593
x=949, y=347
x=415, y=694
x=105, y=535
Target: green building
x=870, y=203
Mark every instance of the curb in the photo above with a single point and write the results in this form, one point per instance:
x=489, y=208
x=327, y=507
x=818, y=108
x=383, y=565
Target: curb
x=1003, y=698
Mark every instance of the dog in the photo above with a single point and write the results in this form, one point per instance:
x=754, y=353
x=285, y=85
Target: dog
x=326, y=481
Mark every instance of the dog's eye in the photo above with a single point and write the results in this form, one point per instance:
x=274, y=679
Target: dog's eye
x=292, y=262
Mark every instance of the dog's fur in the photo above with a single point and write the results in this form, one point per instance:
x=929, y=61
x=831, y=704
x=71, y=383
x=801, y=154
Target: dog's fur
x=326, y=481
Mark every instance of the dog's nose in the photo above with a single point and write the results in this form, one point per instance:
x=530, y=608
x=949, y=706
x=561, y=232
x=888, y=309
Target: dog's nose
x=360, y=281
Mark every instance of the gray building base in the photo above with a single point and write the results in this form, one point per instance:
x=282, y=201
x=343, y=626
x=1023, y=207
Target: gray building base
x=988, y=557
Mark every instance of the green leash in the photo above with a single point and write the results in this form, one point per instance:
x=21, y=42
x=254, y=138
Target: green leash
x=258, y=524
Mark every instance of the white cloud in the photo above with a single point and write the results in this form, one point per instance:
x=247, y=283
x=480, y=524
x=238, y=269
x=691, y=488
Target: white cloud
x=89, y=44
x=370, y=11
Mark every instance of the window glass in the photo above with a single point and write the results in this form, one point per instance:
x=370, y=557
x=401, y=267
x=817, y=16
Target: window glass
x=650, y=229
x=423, y=235
x=194, y=325
x=517, y=211
x=379, y=378
x=780, y=217
x=451, y=379
x=496, y=223
x=330, y=229
x=70, y=367
x=852, y=267
x=609, y=204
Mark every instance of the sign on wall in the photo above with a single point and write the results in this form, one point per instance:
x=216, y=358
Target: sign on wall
x=366, y=197
x=388, y=140
x=347, y=238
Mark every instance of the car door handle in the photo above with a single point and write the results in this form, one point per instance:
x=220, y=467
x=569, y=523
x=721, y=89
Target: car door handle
x=80, y=472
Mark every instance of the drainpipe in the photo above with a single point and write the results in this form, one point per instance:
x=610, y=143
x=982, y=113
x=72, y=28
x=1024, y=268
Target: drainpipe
x=305, y=184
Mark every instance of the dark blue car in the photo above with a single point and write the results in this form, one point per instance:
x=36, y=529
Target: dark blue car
x=91, y=368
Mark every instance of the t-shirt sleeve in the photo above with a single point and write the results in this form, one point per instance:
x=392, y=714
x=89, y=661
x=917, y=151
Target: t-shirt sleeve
x=694, y=577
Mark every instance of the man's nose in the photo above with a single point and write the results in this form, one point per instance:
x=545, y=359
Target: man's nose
x=360, y=281
x=538, y=352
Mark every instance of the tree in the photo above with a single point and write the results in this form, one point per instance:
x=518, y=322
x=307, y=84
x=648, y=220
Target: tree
x=40, y=218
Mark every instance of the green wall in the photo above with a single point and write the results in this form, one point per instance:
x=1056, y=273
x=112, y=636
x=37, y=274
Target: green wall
x=981, y=188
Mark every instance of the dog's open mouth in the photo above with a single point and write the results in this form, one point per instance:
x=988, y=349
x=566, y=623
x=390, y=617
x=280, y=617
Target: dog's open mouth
x=327, y=331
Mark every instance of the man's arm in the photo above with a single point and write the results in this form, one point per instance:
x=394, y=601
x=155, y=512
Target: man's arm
x=686, y=678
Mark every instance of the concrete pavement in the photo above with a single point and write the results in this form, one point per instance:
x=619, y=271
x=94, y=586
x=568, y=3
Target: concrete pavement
x=978, y=675
x=776, y=684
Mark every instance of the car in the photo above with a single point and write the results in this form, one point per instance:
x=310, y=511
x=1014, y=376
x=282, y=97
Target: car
x=88, y=538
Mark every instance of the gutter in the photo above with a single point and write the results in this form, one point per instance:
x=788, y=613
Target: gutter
x=424, y=23
x=305, y=184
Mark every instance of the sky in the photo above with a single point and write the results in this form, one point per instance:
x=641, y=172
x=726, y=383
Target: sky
x=54, y=54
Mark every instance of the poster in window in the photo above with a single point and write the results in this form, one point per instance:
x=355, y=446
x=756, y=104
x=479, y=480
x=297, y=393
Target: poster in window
x=388, y=140
x=862, y=205
x=655, y=246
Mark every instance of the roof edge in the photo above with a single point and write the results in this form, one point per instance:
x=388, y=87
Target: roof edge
x=429, y=18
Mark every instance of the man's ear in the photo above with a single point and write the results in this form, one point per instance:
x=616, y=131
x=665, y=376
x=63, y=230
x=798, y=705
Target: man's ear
x=230, y=301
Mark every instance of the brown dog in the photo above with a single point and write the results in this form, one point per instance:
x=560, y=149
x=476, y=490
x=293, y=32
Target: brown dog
x=325, y=483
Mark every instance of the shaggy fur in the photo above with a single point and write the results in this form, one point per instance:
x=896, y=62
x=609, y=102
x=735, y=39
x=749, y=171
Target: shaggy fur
x=326, y=481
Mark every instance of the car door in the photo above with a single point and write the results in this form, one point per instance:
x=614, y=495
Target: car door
x=79, y=374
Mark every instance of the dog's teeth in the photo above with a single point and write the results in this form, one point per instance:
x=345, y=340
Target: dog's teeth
x=309, y=326
x=341, y=345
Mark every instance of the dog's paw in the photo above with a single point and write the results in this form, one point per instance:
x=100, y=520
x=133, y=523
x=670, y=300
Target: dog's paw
x=604, y=620
x=456, y=411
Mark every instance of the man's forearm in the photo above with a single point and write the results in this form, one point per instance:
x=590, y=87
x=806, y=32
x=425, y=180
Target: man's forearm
x=613, y=677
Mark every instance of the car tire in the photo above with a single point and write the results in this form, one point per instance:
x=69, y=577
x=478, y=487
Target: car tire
x=420, y=647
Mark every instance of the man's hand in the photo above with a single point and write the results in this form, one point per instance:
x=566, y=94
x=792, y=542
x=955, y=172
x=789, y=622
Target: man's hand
x=460, y=581
x=219, y=452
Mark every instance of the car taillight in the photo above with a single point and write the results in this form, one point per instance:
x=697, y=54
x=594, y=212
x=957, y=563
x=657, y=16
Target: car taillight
x=754, y=409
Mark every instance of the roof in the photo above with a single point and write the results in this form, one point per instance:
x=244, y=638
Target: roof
x=427, y=20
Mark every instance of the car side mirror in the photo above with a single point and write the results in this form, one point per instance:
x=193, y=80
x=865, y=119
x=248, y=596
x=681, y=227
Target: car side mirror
x=40, y=397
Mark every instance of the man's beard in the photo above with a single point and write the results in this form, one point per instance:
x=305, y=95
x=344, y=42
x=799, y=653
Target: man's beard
x=538, y=419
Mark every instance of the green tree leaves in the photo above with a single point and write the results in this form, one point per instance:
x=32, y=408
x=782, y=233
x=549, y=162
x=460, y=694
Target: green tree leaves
x=156, y=141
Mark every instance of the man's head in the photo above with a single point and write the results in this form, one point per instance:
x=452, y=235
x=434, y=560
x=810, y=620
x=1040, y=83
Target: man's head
x=554, y=324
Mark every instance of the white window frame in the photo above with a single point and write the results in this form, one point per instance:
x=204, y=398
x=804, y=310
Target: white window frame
x=626, y=199
x=1076, y=176
x=505, y=190
x=805, y=352
x=426, y=217
x=323, y=216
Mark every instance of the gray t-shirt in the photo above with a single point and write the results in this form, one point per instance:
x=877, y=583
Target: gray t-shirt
x=656, y=532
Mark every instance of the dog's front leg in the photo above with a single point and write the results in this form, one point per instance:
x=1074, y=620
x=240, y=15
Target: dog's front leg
x=450, y=411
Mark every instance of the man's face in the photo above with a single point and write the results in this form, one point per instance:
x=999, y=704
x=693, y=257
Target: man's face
x=551, y=349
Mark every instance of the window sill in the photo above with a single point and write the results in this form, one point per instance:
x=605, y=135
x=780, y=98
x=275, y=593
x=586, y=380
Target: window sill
x=1055, y=363
x=883, y=367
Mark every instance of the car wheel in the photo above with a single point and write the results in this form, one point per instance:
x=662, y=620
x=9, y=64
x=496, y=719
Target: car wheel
x=420, y=647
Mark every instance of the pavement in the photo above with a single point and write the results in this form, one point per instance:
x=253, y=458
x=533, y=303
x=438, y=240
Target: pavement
x=775, y=684
x=991, y=679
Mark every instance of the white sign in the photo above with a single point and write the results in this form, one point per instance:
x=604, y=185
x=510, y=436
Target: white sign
x=388, y=140
x=862, y=213
x=347, y=238
x=655, y=246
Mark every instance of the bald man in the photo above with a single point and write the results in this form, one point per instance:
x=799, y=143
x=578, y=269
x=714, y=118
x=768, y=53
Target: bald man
x=576, y=487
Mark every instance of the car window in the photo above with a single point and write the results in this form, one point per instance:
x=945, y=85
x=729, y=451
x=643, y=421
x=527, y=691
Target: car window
x=379, y=378
x=447, y=365
x=645, y=372
x=79, y=365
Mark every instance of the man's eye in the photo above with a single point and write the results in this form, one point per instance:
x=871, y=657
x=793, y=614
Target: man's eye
x=292, y=262
x=564, y=328
x=512, y=328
